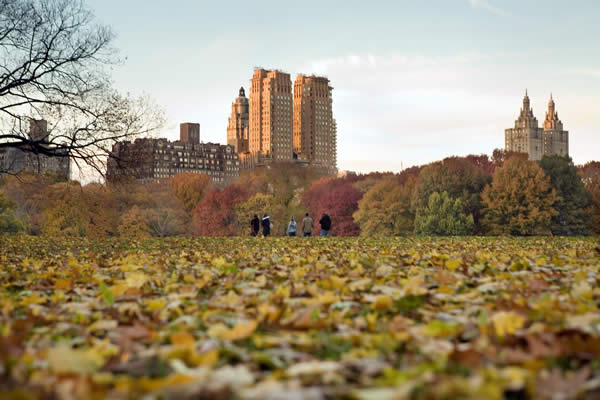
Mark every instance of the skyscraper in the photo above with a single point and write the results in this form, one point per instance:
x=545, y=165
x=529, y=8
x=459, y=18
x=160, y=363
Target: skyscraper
x=270, y=133
x=239, y=125
x=314, y=126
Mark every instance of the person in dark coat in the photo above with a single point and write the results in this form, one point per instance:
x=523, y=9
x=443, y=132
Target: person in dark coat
x=255, y=225
x=266, y=225
x=325, y=222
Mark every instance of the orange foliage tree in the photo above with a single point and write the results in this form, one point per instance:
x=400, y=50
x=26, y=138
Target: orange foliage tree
x=590, y=175
x=190, y=188
x=215, y=215
x=519, y=200
x=386, y=210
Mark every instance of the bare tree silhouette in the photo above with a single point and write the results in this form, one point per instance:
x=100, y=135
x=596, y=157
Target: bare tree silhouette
x=55, y=64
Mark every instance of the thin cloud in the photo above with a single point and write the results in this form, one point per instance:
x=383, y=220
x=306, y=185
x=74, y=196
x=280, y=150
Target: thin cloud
x=586, y=72
x=485, y=5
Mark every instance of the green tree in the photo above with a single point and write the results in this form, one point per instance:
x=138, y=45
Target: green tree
x=443, y=216
x=573, y=216
x=460, y=178
x=520, y=200
x=9, y=222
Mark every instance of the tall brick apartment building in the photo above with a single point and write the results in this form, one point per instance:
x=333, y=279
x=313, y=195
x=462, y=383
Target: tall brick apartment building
x=151, y=159
x=527, y=137
x=314, y=127
x=283, y=125
x=270, y=134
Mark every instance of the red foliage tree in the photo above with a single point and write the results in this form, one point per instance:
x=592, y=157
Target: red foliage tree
x=482, y=162
x=340, y=203
x=215, y=216
x=311, y=198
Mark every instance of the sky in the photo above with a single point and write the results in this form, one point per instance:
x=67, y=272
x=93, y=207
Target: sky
x=414, y=81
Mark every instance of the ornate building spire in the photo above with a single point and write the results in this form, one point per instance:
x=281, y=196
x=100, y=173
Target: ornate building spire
x=551, y=121
x=526, y=104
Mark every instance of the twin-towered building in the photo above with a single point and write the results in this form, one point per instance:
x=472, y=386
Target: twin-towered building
x=527, y=137
x=277, y=124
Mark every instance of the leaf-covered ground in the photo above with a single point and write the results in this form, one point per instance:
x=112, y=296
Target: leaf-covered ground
x=299, y=319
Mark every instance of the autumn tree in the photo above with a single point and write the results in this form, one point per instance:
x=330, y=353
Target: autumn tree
x=56, y=64
x=520, y=200
x=372, y=179
x=166, y=215
x=590, y=175
x=260, y=204
x=133, y=224
x=66, y=213
x=103, y=216
x=190, y=188
x=30, y=192
x=574, y=201
x=9, y=222
x=443, y=216
x=385, y=209
x=311, y=198
x=340, y=204
x=215, y=215
x=499, y=156
x=457, y=176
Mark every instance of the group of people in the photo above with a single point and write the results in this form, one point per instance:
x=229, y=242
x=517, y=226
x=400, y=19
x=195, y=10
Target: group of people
x=307, y=225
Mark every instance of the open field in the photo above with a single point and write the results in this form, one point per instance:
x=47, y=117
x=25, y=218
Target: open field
x=295, y=318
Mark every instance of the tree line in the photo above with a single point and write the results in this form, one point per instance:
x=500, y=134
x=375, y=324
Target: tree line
x=505, y=194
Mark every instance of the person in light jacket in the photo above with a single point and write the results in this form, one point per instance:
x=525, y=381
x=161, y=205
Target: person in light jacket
x=291, y=229
x=307, y=225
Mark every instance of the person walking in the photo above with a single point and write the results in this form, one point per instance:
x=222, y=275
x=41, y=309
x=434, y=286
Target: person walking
x=291, y=229
x=325, y=225
x=307, y=225
x=255, y=225
x=266, y=225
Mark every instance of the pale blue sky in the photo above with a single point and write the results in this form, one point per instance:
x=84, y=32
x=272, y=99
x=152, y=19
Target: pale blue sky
x=414, y=81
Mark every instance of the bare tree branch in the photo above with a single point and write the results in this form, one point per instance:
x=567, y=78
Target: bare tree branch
x=54, y=65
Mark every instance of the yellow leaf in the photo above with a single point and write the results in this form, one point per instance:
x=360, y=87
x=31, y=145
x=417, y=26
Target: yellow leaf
x=240, y=331
x=383, y=303
x=507, y=322
x=414, y=286
x=183, y=339
x=337, y=282
x=63, y=284
x=208, y=359
x=156, y=305
x=582, y=290
x=452, y=265
x=64, y=360
x=136, y=280
x=103, y=325
x=361, y=284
